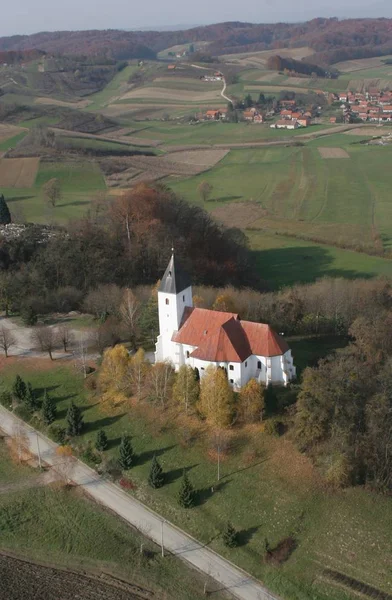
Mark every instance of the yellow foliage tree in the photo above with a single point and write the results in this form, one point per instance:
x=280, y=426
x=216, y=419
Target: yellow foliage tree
x=216, y=398
x=225, y=303
x=251, y=402
x=64, y=464
x=186, y=388
x=114, y=375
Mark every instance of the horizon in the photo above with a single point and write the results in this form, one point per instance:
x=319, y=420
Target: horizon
x=85, y=16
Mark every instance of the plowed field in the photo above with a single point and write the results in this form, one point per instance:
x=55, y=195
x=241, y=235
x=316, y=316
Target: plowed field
x=18, y=172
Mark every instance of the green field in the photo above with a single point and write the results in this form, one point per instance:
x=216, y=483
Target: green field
x=342, y=201
x=61, y=526
x=12, y=142
x=79, y=182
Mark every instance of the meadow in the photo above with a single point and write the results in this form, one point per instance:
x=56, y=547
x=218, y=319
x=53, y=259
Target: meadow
x=57, y=526
x=267, y=487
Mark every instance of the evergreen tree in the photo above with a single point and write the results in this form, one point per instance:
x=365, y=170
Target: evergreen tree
x=49, y=411
x=156, y=478
x=74, y=420
x=186, y=494
x=270, y=400
x=101, y=443
x=230, y=536
x=126, y=453
x=28, y=314
x=30, y=398
x=5, y=215
x=19, y=388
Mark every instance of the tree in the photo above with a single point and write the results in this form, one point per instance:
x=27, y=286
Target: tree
x=30, y=398
x=156, y=478
x=19, y=388
x=75, y=422
x=251, y=402
x=64, y=464
x=216, y=398
x=127, y=456
x=113, y=377
x=230, y=536
x=49, y=410
x=7, y=340
x=45, y=338
x=28, y=314
x=52, y=191
x=186, y=494
x=64, y=336
x=5, y=215
x=248, y=101
x=270, y=400
x=8, y=291
x=186, y=388
x=137, y=371
x=205, y=190
x=101, y=443
x=224, y=302
x=160, y=382
x=129, y=311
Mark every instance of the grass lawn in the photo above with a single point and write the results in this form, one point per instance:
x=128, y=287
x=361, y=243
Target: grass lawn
x=12, y=142
x=79, y=181
x=64, y=527
x=268, y=490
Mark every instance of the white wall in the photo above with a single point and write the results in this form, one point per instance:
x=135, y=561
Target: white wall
x=171, y=309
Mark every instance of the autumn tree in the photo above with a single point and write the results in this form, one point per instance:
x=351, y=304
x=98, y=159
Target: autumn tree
x=160, y=382
x=205, y=190
x=7, y=340
x=45, y=338
x=129, y=312
x=52, y=191
x=138, y=369
x=225, y=303
x=216, y=398
x=251, y=402
x=113, y=377
x=186, y=388
x=64, y=464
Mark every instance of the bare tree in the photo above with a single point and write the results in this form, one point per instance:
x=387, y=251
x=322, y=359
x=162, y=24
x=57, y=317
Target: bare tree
x=129, y=311
x=7, y=339
x=52, y=191
x=160, y=382
x=205, y=190
x=64, y=336
x=45, y=338
x=81, y=354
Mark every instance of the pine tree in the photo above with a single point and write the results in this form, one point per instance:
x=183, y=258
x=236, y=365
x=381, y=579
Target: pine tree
x=28, y=314
x=186, y=494
x=19, y=388
x=156, y=478
x=5, y=215
x=126, y=453
x=101, y=443
x=30, y=398
x=74, y=420
x=49, y=411
x=230, y=536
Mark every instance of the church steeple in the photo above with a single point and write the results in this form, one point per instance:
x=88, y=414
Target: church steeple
x=175, y=280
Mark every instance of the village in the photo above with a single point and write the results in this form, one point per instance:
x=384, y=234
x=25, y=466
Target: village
x=373, y=106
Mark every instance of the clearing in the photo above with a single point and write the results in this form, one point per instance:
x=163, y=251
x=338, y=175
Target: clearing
x=18, y=172
x=333, y=153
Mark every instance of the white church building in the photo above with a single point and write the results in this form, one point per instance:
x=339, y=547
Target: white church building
x=199, y=337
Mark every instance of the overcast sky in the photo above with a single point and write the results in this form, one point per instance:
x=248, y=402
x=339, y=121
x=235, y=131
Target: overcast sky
x=28, y=16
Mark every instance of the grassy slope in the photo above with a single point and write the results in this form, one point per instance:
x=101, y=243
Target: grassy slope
x=64, y=527
x=267, y=490
x=79, y=181
x=104, y=97
x=12, y=142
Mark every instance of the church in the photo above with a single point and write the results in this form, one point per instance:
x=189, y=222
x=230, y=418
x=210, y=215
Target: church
x=199, y=337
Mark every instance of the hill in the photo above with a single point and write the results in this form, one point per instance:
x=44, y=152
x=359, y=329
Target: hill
x=332, y=40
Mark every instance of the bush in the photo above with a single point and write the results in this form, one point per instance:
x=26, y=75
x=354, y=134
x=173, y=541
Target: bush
x=338, y=474
x=6, y=399
x=273, y=427
x=89, y=455
x=230, y=536
x=29, y=316
x=23, y=412
x=58, y=434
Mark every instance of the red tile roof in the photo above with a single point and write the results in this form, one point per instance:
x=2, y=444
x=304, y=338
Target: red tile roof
x=223, y=337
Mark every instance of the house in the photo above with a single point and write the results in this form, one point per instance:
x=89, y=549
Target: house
x=285, y=124
x=286, y=114
x=248, y=115
x=212, y=115
x=258, y=118
x=343, y=97
x=171, y=67
x=200, y=337
x=303, y=121
x=332, y=120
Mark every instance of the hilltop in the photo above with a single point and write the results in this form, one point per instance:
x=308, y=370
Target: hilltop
x=331, y=40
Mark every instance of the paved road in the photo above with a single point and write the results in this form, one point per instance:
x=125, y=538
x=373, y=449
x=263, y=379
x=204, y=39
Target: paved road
x=231, y=578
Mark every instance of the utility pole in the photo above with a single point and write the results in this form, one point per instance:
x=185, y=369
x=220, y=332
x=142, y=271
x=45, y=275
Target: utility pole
x=39, y=453
x=162, y=547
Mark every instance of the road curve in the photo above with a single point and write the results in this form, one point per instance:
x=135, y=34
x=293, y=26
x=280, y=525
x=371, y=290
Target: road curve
x=223, y=93
x=232, y=579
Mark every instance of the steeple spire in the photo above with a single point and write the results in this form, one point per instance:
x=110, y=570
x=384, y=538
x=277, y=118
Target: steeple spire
x=175, y=280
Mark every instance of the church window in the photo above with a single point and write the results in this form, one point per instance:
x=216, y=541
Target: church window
x=187, y=353
x=231, y=368
x=246, y=364
x=202, y=368
x=259, y=364
x=231, y=380
x=183, y=298
x=167, y=300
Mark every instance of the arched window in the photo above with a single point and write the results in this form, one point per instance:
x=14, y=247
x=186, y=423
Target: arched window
x=187, y=353
x=167, y=300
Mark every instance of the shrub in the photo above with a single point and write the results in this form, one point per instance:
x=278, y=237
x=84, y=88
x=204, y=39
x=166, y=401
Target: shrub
x=338, y=474
x=58, y=434
x=23, y=412
x=6, y=399
x=101, y=442
x=273, y=427
x=230, y=536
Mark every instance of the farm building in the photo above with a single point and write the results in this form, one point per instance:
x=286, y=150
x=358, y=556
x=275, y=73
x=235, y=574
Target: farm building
x=199, y=337
x=303, y=121
x=285, y=124
x=213, y=115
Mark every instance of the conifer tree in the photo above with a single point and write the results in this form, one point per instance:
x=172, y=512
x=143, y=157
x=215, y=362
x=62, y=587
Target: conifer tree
x=270, y=400
x=126, y=453
x=101, y=443
x=230, y=536
x=49, y=411
x=74, y=420
x=186, y=494
x=5, y=215
x=30, y=398
x=156, y=478
x=19, y=388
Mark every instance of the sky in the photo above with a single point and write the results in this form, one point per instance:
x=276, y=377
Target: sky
x=28, y=16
